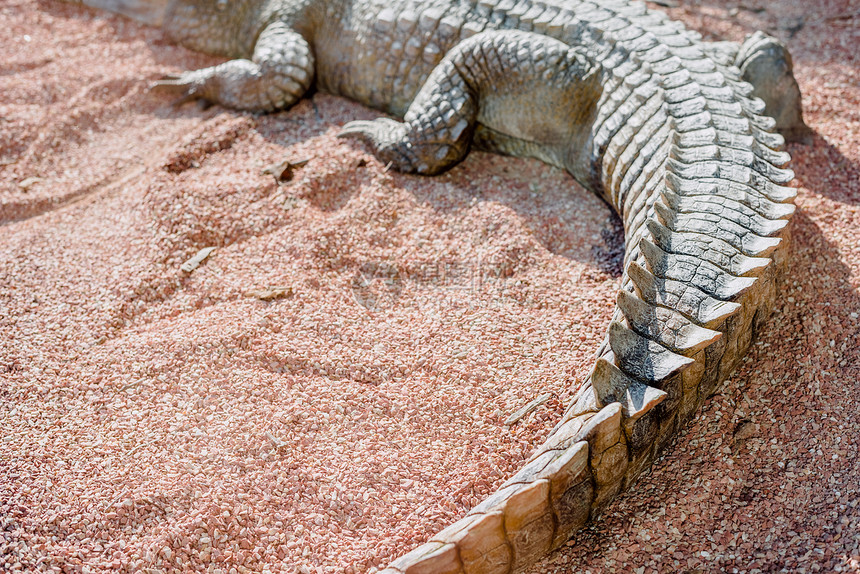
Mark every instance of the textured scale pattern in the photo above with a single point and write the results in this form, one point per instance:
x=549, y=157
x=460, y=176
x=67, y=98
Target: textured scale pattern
x=661, y=125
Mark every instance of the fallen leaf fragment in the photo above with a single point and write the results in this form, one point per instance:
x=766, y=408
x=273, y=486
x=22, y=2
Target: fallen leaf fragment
x=195, y=261
x=29, y=182
x=520, y=414
x=283, y=171
x=271, y=293
x=744, y=430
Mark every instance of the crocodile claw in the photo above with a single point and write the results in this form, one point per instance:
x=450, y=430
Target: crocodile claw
x=389, y=140
x=186, y=85
x=169, y=80
x=378, y=133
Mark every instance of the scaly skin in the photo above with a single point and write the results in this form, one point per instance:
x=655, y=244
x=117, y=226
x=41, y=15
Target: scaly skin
x=661, y=125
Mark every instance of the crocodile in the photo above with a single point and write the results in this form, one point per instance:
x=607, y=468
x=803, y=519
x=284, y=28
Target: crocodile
x=678, y=135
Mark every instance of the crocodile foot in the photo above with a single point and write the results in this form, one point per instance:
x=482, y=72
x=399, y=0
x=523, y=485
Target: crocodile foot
x=279, y=73
x=187, y=85
x=389, y=141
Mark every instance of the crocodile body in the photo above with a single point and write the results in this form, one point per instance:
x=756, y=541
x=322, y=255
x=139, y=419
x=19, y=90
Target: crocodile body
x=663, y=126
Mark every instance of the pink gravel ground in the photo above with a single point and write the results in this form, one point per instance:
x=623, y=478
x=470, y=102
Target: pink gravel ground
x=153, y=418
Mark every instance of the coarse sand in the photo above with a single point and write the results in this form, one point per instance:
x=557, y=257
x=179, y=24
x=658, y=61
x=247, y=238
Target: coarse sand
x=330, y=386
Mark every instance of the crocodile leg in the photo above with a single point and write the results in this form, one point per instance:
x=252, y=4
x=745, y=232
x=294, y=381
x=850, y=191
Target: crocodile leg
x=483, y=83
x=277, y=75
x=765, y=63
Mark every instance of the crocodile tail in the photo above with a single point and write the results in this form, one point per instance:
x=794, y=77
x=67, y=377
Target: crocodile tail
x=706, y=233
